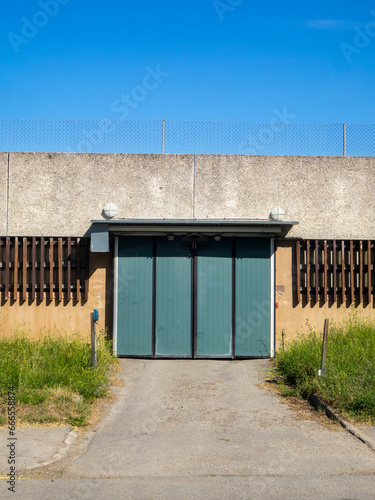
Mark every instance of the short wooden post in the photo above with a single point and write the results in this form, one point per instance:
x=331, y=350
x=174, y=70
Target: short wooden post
x=94, y=319
x=324, y=349
x=283, y=339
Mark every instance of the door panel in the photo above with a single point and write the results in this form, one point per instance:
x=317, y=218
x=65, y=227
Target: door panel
x=134, y=319
x=173, y=299
x=253, y=297
x=214, y=299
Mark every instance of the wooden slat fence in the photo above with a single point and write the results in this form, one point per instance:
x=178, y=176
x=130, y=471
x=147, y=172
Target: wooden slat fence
x=44, y=268
x=335, y=270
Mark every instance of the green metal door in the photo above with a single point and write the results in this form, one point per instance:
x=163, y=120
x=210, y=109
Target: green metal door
x=134, y=310
x=253, y=297
x=194, y=298
x=214, y=299
x=173, y=298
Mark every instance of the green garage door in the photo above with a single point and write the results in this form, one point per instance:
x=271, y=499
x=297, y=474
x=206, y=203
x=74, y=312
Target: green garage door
x=173, y=299
x=253, y=297
x=134, y=310
x=214, y=299
x=194, y=297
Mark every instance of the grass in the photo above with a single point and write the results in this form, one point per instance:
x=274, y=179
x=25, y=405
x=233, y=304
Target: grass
x=53, y=378
x=349, y=381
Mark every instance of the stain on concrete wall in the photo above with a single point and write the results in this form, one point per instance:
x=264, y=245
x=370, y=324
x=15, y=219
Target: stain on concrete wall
x=331, y=197
x=60, y=193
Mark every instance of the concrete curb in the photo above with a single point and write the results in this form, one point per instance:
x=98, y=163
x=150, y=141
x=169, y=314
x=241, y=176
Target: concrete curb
x=317, y=403
x=81, y=441
x=63, y=450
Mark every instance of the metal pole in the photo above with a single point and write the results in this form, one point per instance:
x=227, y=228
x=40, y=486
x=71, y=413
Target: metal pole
x=324, y=349
x=283, y=338
x=344, y=139
x=163, y=136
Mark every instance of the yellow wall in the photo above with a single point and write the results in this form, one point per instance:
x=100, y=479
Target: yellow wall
x=39, y=318
x=294, y=318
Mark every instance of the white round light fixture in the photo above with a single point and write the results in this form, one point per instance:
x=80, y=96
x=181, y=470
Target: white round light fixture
x=110, y=210
x=277, y=214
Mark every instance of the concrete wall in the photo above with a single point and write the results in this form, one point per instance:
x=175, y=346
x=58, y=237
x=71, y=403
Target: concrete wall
x=3, y=192
x=331, y=197
x=57, y=194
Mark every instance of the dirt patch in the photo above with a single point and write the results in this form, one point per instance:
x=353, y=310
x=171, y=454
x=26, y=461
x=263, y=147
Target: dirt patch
x=302, y=409
x=101, y=406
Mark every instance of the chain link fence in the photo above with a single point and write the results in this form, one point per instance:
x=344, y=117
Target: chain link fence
x=173, y=137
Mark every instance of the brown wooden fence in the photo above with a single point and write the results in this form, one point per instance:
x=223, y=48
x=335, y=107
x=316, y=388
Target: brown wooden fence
x=39, y=268
x=335, y=270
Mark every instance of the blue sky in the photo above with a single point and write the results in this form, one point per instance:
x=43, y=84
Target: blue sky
x=205, y=60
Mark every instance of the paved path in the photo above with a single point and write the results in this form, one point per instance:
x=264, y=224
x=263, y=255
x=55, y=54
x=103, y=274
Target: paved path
x=204, y=429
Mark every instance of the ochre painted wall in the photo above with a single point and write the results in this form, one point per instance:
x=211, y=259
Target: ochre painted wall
x=40, y=318
x=298, y=318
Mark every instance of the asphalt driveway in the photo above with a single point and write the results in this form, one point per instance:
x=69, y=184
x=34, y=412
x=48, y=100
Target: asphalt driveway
x=204, y=429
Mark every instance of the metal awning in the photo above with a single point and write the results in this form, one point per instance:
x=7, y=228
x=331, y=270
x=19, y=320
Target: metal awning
x=100, y=229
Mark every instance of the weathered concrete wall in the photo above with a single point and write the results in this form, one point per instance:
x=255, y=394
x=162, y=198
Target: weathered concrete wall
x=298, y=318
x=3, y=191
x=331, y=197
x=59, y=193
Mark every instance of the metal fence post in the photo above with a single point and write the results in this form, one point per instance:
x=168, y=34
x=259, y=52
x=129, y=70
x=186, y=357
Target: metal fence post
x=163, y=136
x=344, y=139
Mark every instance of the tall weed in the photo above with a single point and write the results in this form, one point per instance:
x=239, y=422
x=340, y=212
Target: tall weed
x=349, y=381
x=54, y=361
